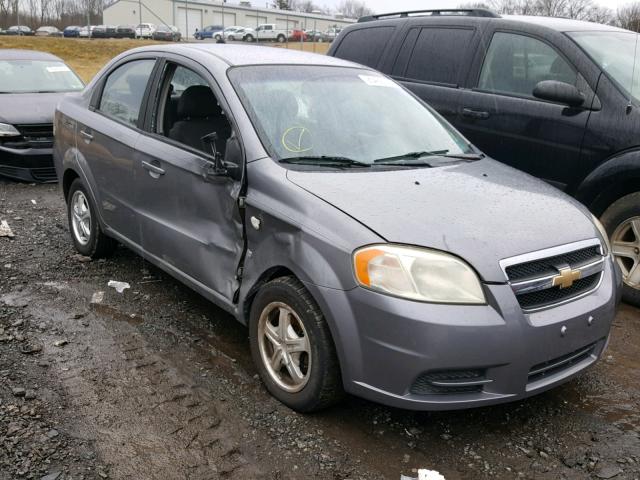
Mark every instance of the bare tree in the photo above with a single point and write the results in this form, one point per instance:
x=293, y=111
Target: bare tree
x=354, y=9
x=629, y=16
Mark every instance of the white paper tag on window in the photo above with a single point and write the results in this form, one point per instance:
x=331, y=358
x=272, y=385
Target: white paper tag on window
x=377, y=81
x=58, y=68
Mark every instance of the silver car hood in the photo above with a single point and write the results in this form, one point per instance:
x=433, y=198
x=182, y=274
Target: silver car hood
x=482, y=211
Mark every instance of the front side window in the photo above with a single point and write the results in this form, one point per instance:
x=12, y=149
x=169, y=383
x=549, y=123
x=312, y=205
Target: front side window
x=124, y=89
x=37, y=76
x=515, y=64
x=317, y=111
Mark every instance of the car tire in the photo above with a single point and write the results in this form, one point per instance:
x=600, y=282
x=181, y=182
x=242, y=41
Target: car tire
x=622, y=222
x=316, y=382
x=89, y=239
x=281, y=39
x=249, y=38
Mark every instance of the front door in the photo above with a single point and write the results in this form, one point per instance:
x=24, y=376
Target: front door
x=189, y=220
x=501, y=116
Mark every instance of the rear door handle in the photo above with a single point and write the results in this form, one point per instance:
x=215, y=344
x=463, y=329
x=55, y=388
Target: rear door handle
x=479, y=114
x=154, y=170
x=86, y=135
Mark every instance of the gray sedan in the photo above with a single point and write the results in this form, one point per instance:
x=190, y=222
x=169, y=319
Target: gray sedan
x=366, y=244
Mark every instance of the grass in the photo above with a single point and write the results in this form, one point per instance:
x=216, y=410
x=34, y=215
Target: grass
x=87, y=57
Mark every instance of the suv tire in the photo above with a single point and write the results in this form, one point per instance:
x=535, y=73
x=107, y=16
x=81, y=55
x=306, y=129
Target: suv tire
x=622, y=222
x=296, y=360
x=86, y=234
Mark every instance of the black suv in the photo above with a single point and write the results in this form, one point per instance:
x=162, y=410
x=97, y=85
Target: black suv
x=553, y=97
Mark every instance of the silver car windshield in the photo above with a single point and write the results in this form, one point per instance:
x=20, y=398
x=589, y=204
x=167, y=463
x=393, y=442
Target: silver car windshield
x=334, y=112
x=34, y=76
x=613, y=52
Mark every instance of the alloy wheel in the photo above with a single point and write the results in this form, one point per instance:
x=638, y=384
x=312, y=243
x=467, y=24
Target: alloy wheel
x=284, y=347
x=81, y=217
x=625, y=245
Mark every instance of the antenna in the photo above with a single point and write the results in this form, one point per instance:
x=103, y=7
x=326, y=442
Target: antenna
x=633, y=75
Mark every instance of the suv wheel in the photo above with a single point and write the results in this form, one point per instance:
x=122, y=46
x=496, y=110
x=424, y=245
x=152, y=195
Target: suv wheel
x=622, y=222
x=292, y=347
x=281, y=39
x=87, y=236
x=249, y=38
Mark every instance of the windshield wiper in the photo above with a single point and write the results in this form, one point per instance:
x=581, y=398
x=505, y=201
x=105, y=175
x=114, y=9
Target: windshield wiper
x=412, y=157
x=325, y=161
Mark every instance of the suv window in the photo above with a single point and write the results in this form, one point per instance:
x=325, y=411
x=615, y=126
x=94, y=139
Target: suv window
x=365, y=45
x=431, y=58
x=123, y=91
x=516, y=63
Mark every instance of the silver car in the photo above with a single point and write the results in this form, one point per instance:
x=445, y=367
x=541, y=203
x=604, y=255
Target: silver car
x=369, y=248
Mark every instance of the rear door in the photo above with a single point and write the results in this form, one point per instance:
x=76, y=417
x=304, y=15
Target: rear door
x=433, y=62
x=189, y=221
x=500, y=115
x=107, y=135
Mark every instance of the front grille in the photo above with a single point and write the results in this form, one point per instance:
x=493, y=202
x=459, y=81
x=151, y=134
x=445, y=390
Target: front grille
x=560, y=364
x=36, y=136
x=545, y=267
x=550, y=296
x=425, y=384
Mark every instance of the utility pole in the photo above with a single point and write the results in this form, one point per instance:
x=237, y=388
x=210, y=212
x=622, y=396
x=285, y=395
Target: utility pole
x=186, y=16
x=140, y=15
x=223, y=2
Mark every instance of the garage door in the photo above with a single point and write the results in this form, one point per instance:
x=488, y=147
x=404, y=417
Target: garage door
x=188, y=20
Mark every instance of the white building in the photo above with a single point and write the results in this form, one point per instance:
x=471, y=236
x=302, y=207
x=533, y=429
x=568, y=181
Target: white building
x=188, y=15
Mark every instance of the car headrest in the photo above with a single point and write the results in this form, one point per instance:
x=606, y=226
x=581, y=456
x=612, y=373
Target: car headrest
x=198, y=101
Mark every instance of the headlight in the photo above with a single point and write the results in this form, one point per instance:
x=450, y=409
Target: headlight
x=7, y=130
x=603, y=233
x=417, y=274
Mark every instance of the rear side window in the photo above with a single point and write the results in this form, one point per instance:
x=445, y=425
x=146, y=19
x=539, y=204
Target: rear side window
x=516, y=63
x=365, y=45
x=123, y=91
x=437, y=54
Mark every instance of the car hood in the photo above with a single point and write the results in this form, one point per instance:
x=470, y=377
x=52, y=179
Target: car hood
x=28, y=108
x=482, y=211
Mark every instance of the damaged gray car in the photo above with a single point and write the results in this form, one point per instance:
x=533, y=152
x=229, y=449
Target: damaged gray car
x=367, y=245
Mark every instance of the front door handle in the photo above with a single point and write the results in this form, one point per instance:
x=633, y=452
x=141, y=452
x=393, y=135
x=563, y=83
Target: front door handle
x=154, y=170
x=479, y=114
x=87, y=136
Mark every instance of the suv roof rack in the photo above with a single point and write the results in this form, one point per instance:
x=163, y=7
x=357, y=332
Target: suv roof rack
x=470, y=12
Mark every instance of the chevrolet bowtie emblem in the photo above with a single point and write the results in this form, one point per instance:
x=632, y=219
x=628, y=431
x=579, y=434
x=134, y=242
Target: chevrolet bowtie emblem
x=566, y=277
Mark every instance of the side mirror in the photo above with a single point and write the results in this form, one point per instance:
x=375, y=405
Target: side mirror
x=231, y=165
x=559, y=92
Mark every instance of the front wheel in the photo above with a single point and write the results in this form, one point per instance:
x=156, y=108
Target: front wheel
x=292, y=347
x=622, y=222
x=249, y=38
x=281, y=39
x=88, y=238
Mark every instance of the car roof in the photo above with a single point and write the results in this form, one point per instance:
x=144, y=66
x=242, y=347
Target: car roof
x=235, y=55
x=562, y=24
x=16, y=54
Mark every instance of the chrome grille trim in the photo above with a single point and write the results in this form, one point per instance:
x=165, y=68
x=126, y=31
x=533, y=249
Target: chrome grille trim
x=542, y=283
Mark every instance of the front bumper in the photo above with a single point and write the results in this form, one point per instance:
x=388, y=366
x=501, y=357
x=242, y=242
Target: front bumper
x=29, y=164
x=389, y=346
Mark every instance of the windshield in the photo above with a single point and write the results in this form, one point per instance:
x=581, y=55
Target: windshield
x=28, y=76
x=614, y=53
x=317, y=111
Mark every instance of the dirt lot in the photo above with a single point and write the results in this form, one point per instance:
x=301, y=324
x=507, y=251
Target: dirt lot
x=156, y=383
x=86, y=57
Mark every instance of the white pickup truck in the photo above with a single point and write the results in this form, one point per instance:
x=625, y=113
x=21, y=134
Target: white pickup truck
x=266, y=31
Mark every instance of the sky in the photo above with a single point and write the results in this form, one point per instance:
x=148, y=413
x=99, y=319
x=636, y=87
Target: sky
x=382, y=6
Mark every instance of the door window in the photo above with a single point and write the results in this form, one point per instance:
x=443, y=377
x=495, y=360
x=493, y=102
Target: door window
x=432, y=59
x=516, y=63
x=124, y=89
x=188, y=110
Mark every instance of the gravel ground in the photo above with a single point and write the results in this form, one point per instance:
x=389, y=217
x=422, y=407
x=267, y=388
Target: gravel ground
x=158, y=383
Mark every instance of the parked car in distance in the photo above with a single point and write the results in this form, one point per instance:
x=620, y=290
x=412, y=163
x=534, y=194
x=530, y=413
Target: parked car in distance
x=19, y=30
x=126, y=31
x=366, y=244
x=315, y=35
x=71, y=31
x=233, y=33
x=207, y=32
x=549, y=96
x=104, y=31
x=266, y=32
x=298, y=36
x=86, y=32
x=145, y=30
x=168, y=33
x=331, y=33
x=48, y=32
x=31, y=84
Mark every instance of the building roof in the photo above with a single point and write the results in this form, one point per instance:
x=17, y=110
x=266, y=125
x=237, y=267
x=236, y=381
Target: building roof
x=251, y=54
x=15, y=54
